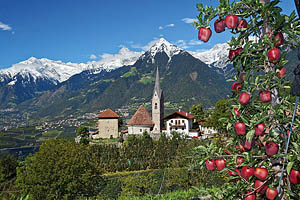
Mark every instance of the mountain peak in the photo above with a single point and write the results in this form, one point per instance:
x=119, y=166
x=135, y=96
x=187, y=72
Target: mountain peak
x=162, y=45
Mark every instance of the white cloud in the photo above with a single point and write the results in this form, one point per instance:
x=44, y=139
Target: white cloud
x=170, y=25
x=166, y=26
x=195, y=42
x=182, y=44
x=188, y=20
x=5, y=27
x=145, y=47
x=93, y=56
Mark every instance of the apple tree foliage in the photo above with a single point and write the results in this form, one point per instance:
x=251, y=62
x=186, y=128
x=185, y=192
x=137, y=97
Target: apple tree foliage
x=256, y=71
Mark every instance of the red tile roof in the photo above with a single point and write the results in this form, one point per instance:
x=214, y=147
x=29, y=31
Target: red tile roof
x=141, y=117
x=108, y=113
x=182, y=114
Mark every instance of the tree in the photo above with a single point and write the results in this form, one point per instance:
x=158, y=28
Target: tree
x=197, y=111
x=8, y=166
x=83, y=131
x=61, y=169
x=221, y=111
x=260, y=115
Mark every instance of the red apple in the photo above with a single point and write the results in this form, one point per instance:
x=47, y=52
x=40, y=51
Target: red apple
x=219, y=25
x=244, y=98
x=204, y=34
x=281, y=73
x=231, y=54
x=210, y=165
x=238, y=51
x=274, y=55
x=262, y=187
x=271, y=193
x=220, y=163
x=231, y=21
x=265, y=96
x=247, y=172
x=236, y=112
x=250, y=196
x=242, y=26
x=261, y=173
x=240, y=128
x=239, y=160
x=271, y=148
x=294, y=176
x=260, y=129
x=278, y=39
x=236, y=86
x=248, y=144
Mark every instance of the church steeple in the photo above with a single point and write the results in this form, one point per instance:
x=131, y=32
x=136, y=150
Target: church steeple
x=157, y=84
x=157, y=105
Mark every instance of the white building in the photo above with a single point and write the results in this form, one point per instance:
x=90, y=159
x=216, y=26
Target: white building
x=140, y=122
x=181, y=122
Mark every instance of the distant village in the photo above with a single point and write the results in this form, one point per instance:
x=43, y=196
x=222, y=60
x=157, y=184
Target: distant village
x=142, y=122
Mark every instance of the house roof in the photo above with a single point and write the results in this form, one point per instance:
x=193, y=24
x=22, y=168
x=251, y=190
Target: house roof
x=182, y=114
x=141, y=117
x=108, y=113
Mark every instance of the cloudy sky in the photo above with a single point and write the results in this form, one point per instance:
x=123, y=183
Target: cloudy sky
x=84, y=30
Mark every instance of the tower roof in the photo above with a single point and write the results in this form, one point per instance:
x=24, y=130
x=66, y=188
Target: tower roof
x=108, y=113
x=157, y=88
x=141, y=117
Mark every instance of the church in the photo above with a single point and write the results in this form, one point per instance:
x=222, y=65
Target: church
x=142, y=121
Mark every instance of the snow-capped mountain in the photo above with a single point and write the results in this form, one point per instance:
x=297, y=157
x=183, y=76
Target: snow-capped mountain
x=58, y=71
x=162, y=45
x=110, y=62
x=54, y=71
x=216, y=58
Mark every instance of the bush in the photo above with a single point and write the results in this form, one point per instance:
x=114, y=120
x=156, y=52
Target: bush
x=61, y=169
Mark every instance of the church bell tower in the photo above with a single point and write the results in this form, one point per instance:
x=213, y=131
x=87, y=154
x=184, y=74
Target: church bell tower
x=157, y=105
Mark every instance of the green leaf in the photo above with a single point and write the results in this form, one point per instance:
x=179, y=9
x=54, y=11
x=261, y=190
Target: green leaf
x=250, y=135
x=289, y=167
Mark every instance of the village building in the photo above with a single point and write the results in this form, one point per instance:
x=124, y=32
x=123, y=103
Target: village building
x=140, y=122
x=108, y=125
x=181, y=122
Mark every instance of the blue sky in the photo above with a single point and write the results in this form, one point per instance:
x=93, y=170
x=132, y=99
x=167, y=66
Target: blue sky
x=73, y=30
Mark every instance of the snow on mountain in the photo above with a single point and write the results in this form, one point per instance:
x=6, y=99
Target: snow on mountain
x=163, y=45
x=113, y=61
x=58, y=71
x=216, y=56
x=55, y=71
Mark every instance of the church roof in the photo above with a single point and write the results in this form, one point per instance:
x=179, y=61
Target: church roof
x=141, y=117
x=108, y=113
x=182, y=114
x=157, y=84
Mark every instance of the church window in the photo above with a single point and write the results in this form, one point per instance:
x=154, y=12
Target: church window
x=171, y=121
x=155, y=105
x=182, y=121
x=141, y=130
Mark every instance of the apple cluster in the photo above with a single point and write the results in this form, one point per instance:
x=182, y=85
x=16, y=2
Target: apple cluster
x=230, y=21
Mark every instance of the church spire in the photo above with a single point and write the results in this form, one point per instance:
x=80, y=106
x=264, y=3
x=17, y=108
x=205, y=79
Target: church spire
x=157, y=84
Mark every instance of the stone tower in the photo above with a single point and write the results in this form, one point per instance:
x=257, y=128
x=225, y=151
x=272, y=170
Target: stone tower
x=157, y=106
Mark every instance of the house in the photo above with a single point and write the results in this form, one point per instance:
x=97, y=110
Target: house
x=140, y=122
x=108, y=125
x=181, y=122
